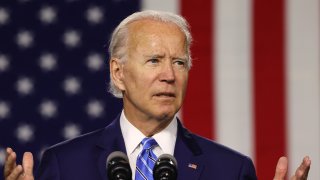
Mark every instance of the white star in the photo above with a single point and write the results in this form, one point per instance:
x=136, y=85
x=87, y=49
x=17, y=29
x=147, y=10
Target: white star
x=48, y=109
x=4, y=110
x=47, y=14
x=24, y=39
x=72, y=38
x=72, y=85
x=4, y=16
x=95, y=108
x=94, y=15
x=48, y=62
x=4, y=63
x=95, y=62
x=71, y=130
x=24, y=86
x=25, y=133
x=2, y=156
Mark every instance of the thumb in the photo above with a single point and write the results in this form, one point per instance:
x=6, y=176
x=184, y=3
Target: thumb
x=281, y=169
x=27, y=163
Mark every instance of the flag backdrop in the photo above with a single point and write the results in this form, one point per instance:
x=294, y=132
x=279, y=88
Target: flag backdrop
x=254, y=85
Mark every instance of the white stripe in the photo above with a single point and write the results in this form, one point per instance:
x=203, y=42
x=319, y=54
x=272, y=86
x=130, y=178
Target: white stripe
x=146, y=164
x=233, y=74
x=162, y=5
x=303, y=83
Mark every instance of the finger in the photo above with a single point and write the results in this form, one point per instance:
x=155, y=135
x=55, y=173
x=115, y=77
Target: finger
x=281, y=169
x=8, y=151
x=303, y=170
x=15, y=173
x=27, y=163
x=10, y=162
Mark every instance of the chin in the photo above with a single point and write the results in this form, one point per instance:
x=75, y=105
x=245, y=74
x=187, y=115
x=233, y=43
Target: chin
x=165, y=111
x=165, y=116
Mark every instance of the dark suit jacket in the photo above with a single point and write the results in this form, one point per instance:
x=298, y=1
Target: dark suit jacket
x=84, y=158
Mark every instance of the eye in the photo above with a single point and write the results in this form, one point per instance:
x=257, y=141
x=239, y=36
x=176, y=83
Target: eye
x=180, y=62
x=153, y=61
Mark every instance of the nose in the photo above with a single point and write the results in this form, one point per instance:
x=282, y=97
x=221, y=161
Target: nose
x=167, y=73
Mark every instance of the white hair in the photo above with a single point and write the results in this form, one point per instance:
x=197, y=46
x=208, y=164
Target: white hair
x=118, y=42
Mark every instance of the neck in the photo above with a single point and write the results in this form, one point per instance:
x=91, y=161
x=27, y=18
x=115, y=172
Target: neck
x=148, y=126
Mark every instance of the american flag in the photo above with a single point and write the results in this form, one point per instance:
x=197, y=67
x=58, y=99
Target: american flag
x=254, y=85
x=54, y=70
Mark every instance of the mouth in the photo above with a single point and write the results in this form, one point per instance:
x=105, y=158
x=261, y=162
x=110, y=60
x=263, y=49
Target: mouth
x=165, y=94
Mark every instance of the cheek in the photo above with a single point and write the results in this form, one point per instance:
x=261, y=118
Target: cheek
x=131, y=77
x=182, y=81
x=138, y=82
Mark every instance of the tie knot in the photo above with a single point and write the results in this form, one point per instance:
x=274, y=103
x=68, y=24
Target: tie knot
x=149, y=143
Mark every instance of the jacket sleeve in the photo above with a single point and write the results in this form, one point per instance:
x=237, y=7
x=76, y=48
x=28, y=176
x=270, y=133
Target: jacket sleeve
x=49, y=167
x=248, y=171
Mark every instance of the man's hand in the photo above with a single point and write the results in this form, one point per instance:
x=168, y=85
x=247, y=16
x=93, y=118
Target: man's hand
x=12, y=171
x=300, y=174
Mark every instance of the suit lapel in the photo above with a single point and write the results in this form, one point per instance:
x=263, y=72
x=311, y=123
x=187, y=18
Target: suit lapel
x=188, y=155
x=110, y=140
x=187, y=151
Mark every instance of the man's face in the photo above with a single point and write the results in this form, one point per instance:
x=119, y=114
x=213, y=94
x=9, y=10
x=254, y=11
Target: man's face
x=155, y=73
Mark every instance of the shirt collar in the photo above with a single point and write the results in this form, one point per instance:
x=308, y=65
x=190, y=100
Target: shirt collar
x=166, y=138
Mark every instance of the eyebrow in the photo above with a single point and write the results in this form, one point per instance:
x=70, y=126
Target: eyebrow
x=185, y=58
x=154, y=56
x=162, y=56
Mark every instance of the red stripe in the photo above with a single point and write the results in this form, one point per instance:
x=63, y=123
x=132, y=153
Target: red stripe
x=198, y=107
x=269, y=84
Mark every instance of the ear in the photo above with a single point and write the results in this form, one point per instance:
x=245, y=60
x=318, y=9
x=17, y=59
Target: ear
x=116, y=71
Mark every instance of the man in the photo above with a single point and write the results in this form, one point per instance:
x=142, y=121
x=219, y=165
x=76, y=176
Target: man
x=149, y=65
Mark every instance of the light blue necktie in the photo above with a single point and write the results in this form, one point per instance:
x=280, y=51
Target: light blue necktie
x=146, y=160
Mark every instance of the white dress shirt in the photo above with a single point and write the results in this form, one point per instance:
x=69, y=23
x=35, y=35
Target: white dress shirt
x=166, y=140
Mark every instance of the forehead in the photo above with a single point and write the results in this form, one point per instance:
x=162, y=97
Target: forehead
x=148, y=30
x=145, y=27
x=144, y=24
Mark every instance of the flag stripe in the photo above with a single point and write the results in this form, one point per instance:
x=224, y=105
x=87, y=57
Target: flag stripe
x=303, y=79
x=198, y=108
x=269, y=84
x=233, y=74
x=163, y=5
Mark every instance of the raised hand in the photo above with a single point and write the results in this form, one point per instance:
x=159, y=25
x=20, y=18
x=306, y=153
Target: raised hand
x=12, y=171
x=300, y=174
